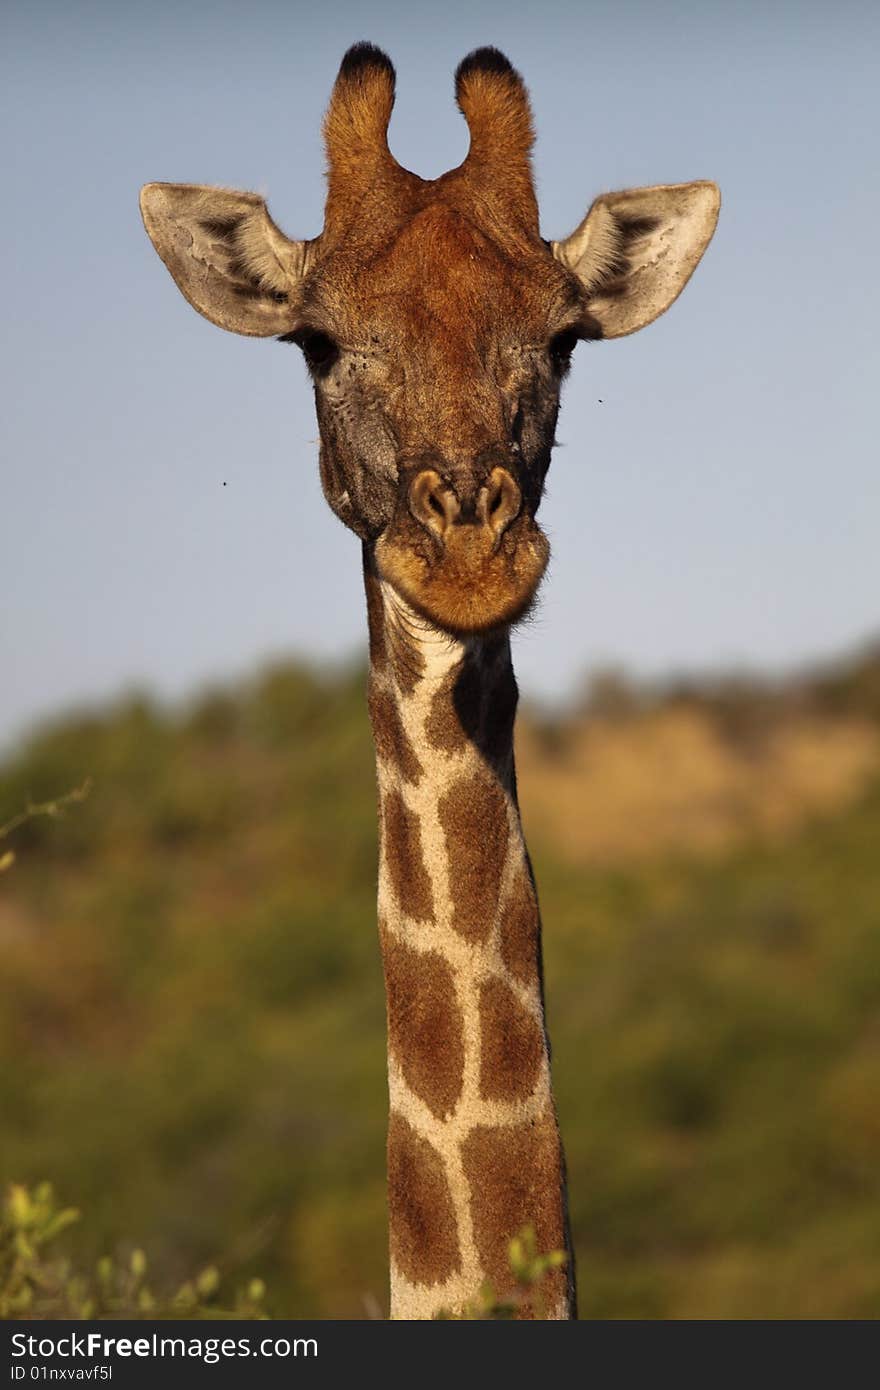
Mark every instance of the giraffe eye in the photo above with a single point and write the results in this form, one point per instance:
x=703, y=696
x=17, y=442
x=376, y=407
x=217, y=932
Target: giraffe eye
x=319, y=349
x=561, y=348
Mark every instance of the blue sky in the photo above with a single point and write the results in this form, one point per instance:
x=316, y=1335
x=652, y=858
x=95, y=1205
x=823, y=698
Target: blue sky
x=720, y=506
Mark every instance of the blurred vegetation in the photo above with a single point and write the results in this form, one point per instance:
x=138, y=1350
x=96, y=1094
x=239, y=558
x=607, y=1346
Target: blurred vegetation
x=530, y=1269
x=192, y=1017
x=36, y=1282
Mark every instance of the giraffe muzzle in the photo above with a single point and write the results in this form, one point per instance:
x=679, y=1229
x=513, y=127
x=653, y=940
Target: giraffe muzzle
x=462, y=549
x=439, y=506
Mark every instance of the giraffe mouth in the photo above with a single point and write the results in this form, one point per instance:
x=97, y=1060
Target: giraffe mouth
x=471, y=583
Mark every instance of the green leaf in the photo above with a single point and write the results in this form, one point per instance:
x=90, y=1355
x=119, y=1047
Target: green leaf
x=208, y=1282
x=59, y=1222
x=18, y=1205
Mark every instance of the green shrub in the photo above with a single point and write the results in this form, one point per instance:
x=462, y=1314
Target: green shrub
x=38, y=1282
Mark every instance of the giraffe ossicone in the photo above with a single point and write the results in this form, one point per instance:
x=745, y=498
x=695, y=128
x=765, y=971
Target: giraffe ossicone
x=438, y=325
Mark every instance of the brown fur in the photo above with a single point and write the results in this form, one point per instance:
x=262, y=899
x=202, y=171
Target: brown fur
x=424, y=1023
x=402, y=847
x=496, y=108
x=356, y=140
x=476, y=584
x=495, y=105
x=421, y=1216
x=513, y=1173
x=473, y=815
x=520, y=927
x=476, y=704
x=456, y=709
x=389, y=735
x=512, y=1044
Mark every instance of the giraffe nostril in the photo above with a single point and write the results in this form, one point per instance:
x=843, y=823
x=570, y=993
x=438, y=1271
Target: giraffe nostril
x=436, y=505
x=499, y=503
x=433, y=502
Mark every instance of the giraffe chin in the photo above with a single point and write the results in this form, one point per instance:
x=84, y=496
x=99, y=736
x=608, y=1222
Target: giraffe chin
x=472, y=586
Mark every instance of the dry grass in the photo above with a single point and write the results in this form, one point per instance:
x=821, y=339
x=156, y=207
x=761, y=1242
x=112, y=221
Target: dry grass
x=622, y=789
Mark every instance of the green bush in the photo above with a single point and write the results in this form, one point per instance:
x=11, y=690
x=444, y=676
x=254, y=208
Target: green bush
x=38, y=1282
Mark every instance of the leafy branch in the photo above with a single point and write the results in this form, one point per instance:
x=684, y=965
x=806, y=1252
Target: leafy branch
x=55, y=809
x=37, y=1283
x=530, y=1270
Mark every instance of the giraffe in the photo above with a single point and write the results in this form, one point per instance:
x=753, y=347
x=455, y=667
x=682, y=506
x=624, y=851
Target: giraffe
x=437, y=326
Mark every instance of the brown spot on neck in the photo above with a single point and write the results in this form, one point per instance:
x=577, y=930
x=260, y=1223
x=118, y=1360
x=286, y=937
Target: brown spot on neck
x=512, y=1044
x=475, y=820
x=424, y=1023
x=402, y=847
x=456, y=709
x=422, y=1224
x=476, y=704
x=516, y=1178
x=393, y=746
x=520, y=930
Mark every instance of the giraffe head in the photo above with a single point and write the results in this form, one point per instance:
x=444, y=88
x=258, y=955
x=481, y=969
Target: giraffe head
x=437, y=325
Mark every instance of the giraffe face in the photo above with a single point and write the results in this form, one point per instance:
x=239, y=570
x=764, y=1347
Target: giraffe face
x=437, y=354
x=437, y=325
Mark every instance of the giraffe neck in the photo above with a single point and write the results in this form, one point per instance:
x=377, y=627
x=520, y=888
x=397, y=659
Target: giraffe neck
x=473, y=1146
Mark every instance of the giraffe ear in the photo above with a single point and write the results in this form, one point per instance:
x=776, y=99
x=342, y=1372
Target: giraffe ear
x=635, y=251
x=228, y=258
